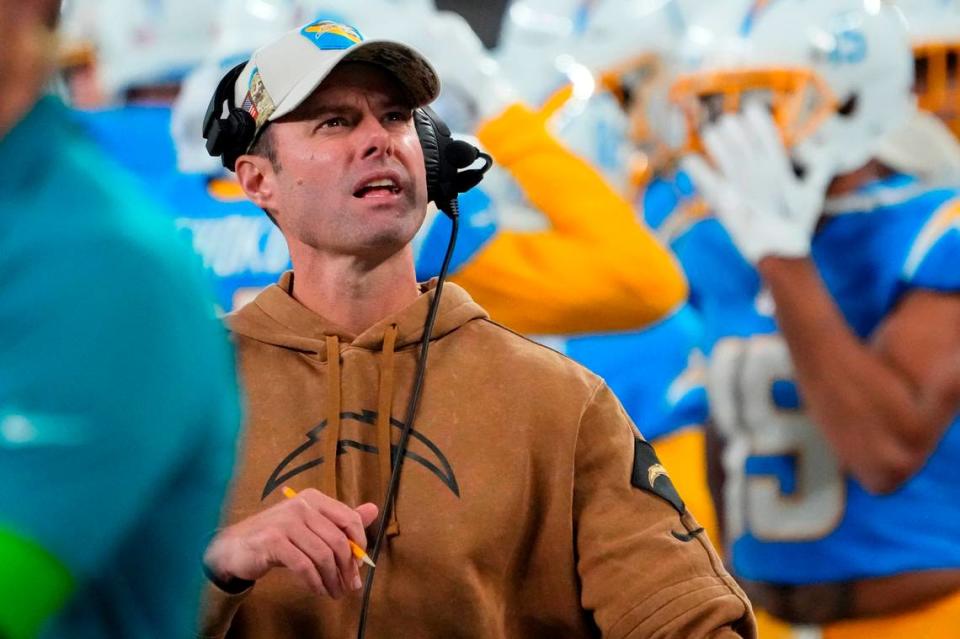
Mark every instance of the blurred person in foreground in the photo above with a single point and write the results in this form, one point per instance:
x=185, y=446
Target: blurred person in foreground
x=528, y=506
x=118, y=405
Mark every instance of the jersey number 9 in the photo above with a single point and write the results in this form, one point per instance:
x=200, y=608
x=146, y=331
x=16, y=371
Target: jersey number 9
x=783, y=482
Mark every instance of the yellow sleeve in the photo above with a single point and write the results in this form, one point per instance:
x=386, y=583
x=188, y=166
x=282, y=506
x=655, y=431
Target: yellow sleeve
x=598, y=268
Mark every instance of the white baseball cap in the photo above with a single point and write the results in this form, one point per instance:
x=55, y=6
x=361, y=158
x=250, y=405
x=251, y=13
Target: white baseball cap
x=282, y=74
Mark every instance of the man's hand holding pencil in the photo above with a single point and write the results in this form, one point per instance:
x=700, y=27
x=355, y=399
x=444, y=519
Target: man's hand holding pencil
x=318, y=538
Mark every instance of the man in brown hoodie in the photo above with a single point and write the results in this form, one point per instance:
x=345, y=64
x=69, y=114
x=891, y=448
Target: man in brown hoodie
x=528, y=505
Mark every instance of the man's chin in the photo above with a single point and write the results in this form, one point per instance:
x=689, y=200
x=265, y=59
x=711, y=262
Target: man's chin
x=385, y=225
x=384, y=244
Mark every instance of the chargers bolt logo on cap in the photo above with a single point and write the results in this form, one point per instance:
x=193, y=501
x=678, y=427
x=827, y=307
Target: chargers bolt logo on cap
x=331, y=36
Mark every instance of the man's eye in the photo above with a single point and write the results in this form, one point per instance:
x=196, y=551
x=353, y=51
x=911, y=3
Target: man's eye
x=399, y=116
x=333, y=122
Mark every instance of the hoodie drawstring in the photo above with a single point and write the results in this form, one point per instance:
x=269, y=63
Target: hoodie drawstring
x=331, y=435
x=332, y=431
x=384, y=413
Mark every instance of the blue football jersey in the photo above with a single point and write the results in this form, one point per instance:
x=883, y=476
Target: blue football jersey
x=241, y=248
x=118, y=400
x=791, y=514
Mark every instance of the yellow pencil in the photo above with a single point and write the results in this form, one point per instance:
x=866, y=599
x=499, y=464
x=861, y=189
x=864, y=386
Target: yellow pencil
x=358, y=552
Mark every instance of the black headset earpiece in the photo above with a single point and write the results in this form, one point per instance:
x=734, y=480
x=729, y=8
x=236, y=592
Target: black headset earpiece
x=230, y=136
x=445, y=159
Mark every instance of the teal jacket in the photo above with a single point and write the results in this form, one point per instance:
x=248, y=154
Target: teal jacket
x=118, y=398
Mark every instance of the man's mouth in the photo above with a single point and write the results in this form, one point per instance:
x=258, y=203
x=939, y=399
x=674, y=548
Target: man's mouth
x=383, y=187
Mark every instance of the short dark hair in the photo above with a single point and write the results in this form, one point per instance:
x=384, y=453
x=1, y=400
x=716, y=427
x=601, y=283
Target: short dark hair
x=264, y=146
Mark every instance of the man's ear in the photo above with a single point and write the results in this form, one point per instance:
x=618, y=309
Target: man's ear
x=257, y=178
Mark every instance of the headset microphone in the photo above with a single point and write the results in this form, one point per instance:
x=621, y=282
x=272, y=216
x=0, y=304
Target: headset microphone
x=462, y=154
x=446, y=159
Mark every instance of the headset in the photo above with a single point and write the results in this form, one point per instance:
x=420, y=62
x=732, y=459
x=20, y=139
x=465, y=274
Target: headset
x=230, y=131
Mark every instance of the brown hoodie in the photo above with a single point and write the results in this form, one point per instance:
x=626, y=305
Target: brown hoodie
x=528, y=507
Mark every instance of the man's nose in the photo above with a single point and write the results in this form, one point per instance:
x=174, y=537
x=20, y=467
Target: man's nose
x=377, y=140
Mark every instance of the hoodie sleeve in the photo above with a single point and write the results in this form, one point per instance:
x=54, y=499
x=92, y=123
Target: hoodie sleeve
x=218, y=610
x=597, y=254
x=646, y=567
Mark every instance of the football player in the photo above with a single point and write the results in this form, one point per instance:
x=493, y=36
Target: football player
x=828, y=285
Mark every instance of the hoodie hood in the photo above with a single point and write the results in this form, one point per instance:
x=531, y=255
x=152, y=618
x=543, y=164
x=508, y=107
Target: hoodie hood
x=274, y=317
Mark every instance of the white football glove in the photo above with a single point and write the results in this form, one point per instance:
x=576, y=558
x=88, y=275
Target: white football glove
x=765, y=207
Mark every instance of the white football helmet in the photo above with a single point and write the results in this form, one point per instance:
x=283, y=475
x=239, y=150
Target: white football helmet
x=606, y=64
x=472, y=85
x=615, y=109
x=837, y=74
x=934, y=28
x=245, y=25
x=927, y=146
x=186, y=120
x=151, y=42
x=535, y=41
